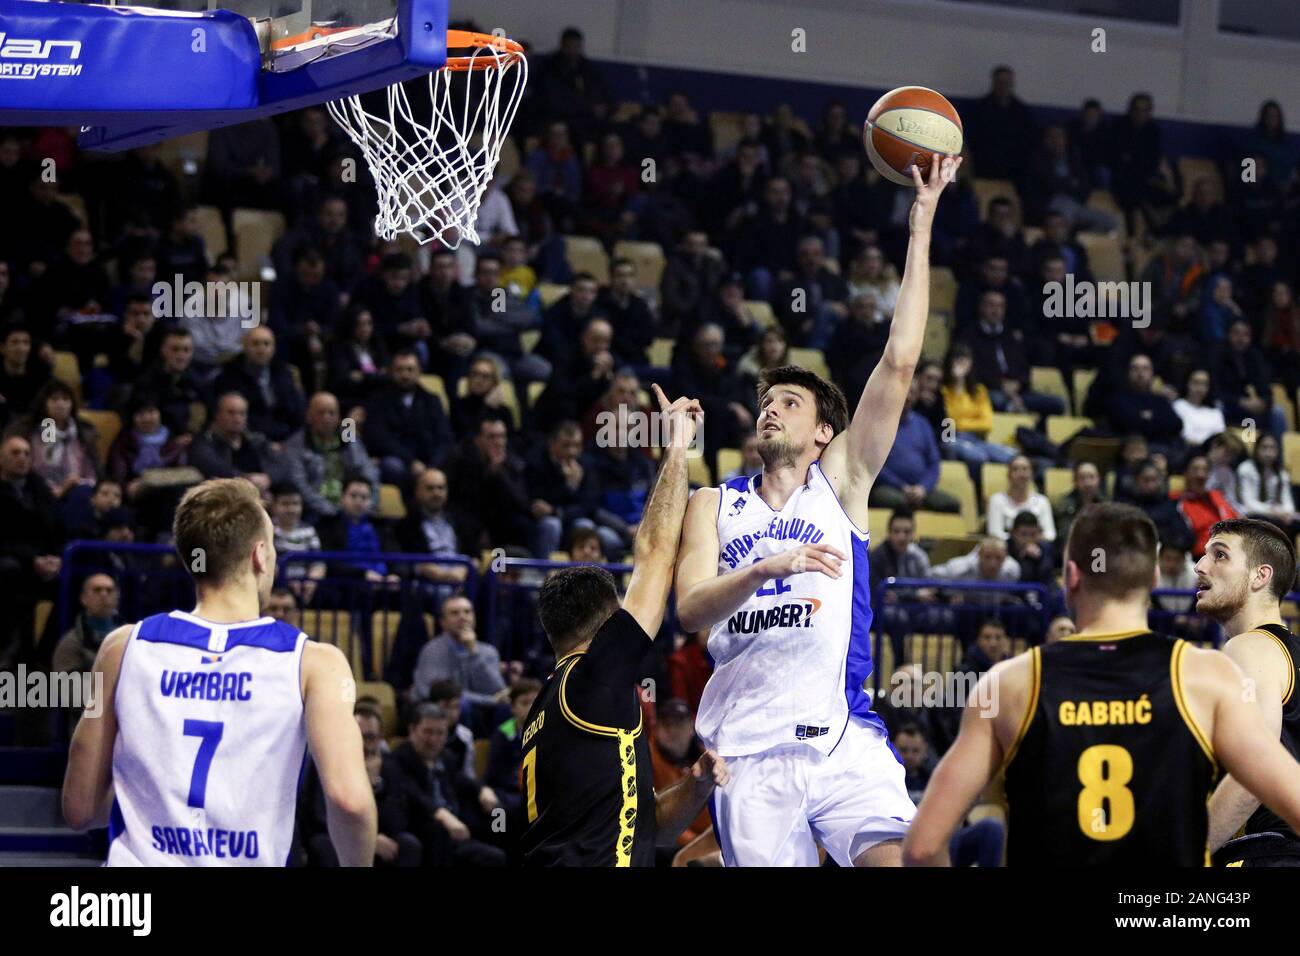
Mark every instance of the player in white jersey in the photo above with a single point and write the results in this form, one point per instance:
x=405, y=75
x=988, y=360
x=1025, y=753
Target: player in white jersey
x=207, y=716
x=776, y=566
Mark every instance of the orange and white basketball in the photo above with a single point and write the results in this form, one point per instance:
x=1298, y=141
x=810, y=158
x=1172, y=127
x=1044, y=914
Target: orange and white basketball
x=906, y=127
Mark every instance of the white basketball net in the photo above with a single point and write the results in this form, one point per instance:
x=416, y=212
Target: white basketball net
x=431, y=175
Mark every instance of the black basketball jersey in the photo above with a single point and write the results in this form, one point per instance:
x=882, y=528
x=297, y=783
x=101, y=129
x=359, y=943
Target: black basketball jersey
x=586, y=768
x=1264, y=820
x=1110, y=767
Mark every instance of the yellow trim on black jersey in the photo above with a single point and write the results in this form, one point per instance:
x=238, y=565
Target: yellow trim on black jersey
x=1290, y=684
x=1114, y=636
x=1036, y=664
x=1176, y=681
x=586, y=724
x=627, y=814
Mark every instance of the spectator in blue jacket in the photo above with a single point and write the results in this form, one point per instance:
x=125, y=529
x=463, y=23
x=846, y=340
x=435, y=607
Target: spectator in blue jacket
x=910, y=476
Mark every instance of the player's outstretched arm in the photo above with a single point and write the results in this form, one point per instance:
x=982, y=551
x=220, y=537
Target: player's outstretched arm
x=1264, y=665
x=88, y=782
x=961, y=777
x=705, y=597
x=678, y=805
x=655, y=549
x=1242, y=742
x=854, y=458
x=335, y=744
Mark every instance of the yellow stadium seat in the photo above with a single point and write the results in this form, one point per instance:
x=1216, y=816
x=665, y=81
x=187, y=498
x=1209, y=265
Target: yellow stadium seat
x=386, y=698
x=1103, y=201
x=509, y=397
x=1176, y=484
x=1083, y=378
x=882, y=654
x=482, y=753
x=332, y=627
x=107, y=425
x=435, y=384
x=185, y=156
x=993, y=478
x=510, y=162
x=1291, y=452
x=390, y=503
x=1058, y=482
x=648, y=257
x=728, y=130
x=535, y=390
x=814, y=361
x=945, y=549
x=68, y=371
x=213, y=230
x=1032, y=234
x=943, y=289
x=878, y=524
x=1105, y=256
x=1061, y=428
x=256, y=231
x=76, y=205
x=550, y=293
x=383, y=634
x=530, y=338
x=937, y=337
x=987, y=190
x=762, y=312
x=697, y=471
x=1049, y=381
x=934, y=652
x=729, y=460
x=1005, y=424
x=954, y=478
x=626, y=110
x=1283, y=401
x=661, y=352
x=937, y=524
x=586, y=254
x=40, y=618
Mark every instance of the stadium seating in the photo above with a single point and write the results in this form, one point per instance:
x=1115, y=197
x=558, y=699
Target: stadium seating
x=762, y=311
x=648, y=257
x=550, y=293
x=937, y=524
x=729, y=460
x=386, y=698
x=390, y=503
x=1005, y=424
x=587, y=255
x=1049, y=381
x=813, y=360
x=1061, y=428
x=1105, y=255
x=255, y=232
x=212, y=228
x=67, y=370
x=107, y=425
x=1057, y=482
x=943, y=289
x=954, y=479
x=986, y=190
x=1192, y=169
x=435, y=384
x=1083, y=378
x=661, y=352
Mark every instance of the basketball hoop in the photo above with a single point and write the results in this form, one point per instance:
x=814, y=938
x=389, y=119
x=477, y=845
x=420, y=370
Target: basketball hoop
x=431, y=175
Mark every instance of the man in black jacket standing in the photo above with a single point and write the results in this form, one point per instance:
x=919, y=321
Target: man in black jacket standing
x=406, y=426
x=30, y=546
x=275, y=401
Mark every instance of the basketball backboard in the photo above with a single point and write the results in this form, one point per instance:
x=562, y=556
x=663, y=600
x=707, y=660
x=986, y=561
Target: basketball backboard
x=131, y=75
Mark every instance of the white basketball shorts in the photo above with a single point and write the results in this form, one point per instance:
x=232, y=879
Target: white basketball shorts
x=784, y=801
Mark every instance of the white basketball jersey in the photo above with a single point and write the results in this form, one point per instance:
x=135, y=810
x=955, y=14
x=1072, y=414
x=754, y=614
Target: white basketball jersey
x=789, y=662
x=211, y=743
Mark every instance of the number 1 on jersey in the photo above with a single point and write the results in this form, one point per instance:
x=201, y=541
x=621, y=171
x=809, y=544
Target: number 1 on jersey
x=209, y=733
x=529, y=770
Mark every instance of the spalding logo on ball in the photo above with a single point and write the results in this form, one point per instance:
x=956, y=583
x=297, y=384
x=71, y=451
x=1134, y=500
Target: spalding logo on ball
x=906, y=127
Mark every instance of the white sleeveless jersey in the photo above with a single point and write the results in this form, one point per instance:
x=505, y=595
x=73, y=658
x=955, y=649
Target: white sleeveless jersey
x=211, y=743
x=789, y=662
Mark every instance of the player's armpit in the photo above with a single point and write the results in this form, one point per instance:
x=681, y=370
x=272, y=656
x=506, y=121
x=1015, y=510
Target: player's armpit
x=334, y=739
x=88, y=782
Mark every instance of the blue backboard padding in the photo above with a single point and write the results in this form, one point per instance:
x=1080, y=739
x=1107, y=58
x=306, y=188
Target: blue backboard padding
x=61, y=62
x=110, y=125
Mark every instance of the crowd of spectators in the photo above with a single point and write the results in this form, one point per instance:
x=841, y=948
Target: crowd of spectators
x=326, y=397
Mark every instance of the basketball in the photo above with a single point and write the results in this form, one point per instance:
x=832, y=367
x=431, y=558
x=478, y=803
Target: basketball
x=905, y=127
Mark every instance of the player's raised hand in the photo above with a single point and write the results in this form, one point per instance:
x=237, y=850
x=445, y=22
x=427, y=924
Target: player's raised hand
x=805, y=558
x=683, y=419
x=710, y=771
x=943, y=170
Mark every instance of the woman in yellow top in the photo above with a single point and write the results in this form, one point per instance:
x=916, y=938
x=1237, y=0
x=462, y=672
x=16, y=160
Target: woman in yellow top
x=970, y=413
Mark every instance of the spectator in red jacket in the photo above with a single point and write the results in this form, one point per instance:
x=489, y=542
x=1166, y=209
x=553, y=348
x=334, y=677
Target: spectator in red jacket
x=1201, y=507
